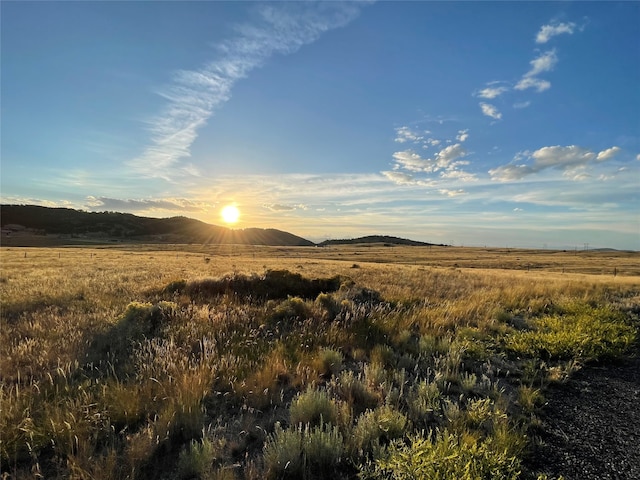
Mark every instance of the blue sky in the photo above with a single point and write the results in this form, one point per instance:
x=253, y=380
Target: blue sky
x=466, y=123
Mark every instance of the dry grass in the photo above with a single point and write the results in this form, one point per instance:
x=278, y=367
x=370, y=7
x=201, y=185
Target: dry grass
x=111, y=368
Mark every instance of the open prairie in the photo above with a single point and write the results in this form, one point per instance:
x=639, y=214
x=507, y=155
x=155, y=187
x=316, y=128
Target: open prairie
x=172, y=361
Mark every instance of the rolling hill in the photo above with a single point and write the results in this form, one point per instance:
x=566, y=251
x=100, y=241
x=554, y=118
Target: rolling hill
x=125, y=226
x=384, y=239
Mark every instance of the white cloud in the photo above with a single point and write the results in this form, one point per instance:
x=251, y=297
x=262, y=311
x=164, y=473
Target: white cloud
x=460, y=175
x=544, y=63
x=571, y=160
x=152, y=204
x=638, y=157
x=491, y=92
x=404, y=134
x=277, y=207
x=532, y=82
x=449, y=154
x=452, y=193
x=608, y=153
x=411, y=161
x=490, y=111
x=548, y=31
x=462, y=135
x=399, y=178
x=194, y=95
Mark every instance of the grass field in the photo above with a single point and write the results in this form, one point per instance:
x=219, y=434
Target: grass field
x=263, y=362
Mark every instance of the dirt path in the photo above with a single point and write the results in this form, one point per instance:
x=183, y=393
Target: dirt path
x=592, y=425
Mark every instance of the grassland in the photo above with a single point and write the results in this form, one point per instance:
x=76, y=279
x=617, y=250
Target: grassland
x=262, y=362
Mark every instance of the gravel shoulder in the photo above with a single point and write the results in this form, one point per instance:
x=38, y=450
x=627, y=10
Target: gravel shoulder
x=591, y=424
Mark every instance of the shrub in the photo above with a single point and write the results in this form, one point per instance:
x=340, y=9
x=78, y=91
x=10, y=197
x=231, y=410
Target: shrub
x=291, y=308
x=283, y=453
x=377, y=427
x=322, y=447
x=356, y=393
x=582, y=332
x=303, y=451
x=382, y=355
x=196, y=459
x=445, y=456
x=328, y=362
x=423, y=401
x=313, y=407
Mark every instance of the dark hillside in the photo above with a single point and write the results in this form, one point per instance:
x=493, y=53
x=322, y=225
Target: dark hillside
x=66, y=221
x=386, y=239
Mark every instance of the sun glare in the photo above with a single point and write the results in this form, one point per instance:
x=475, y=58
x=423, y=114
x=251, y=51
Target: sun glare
x=230, y=214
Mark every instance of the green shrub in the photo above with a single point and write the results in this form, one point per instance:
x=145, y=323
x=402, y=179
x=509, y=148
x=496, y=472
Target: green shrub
x=423, y=400
x=291, y=308
x=313, y=407
x=445, y=456
x=303, y=451
x=196, y=459
x=377, y=427
x=355, y=392
x=581, y=332
x=322, y=447
x=283, y=453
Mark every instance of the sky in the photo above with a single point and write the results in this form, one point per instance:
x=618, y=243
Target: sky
x=465, y=123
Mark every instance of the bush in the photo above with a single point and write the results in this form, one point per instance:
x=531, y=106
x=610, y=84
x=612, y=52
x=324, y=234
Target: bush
x=303, y=451
x=283, y=453
x=445, y=456
x=424, y=400
x=313, y=407
x=377, y=427
x=583, y=332
x=356, y=393
x=328, y=362
x=196, y=459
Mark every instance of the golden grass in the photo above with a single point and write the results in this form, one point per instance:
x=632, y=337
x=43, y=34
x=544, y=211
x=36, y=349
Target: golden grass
x=106, y=374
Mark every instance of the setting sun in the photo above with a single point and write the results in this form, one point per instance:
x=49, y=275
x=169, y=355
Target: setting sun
x=230, y=214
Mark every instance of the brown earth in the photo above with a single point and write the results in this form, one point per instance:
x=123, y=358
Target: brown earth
x=591, y=425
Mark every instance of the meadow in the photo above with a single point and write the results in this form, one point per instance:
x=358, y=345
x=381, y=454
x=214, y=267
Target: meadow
x=232, y=362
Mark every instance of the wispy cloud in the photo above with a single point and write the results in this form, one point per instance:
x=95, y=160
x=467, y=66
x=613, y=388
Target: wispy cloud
x=543, y=63
x=277, y=207
x=522, y=104
x=491, y=92
x=570, y=160
x=128, y=205
x=490, y=111
x=194, y=95
x=405, y=134
x=551, y=30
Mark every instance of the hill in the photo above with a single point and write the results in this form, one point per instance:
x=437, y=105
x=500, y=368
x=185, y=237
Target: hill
x=125, y=226
x=385, y=239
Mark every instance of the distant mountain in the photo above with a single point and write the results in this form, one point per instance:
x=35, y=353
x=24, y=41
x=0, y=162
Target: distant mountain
x=384, y=239
x=66, y=221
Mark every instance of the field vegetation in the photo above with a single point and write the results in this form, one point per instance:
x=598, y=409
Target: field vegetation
x=139, y=362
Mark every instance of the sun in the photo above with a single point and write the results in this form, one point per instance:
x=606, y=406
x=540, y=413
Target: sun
x=230, y=214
